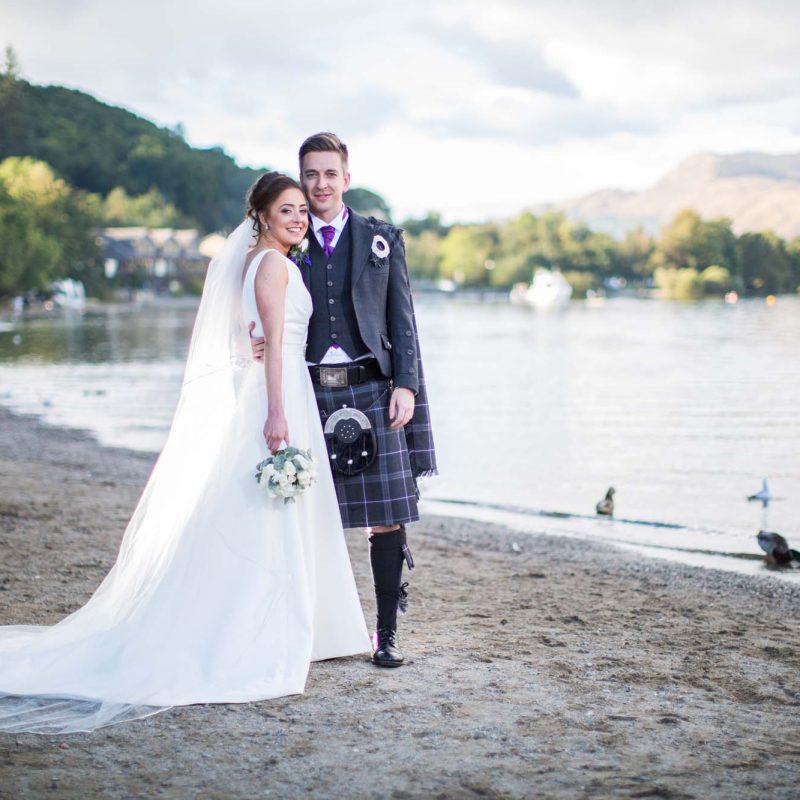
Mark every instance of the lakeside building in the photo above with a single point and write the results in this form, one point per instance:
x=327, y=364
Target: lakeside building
x=155, y=257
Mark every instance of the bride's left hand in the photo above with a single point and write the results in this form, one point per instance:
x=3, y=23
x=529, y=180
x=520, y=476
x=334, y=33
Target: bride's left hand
x=276, y=431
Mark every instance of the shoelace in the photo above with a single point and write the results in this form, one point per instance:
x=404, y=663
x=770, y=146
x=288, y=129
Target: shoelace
x=386, y=636
x=402, y=598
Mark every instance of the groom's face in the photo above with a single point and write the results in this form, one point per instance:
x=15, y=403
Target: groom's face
x=324, y=180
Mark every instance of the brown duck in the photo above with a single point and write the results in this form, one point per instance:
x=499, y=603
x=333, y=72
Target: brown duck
x=606, y=506
x=778, y=552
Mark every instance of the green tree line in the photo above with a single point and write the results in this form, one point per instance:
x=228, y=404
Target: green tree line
x=691, y=258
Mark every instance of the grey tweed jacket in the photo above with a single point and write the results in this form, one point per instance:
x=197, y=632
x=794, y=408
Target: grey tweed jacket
x=385, y=316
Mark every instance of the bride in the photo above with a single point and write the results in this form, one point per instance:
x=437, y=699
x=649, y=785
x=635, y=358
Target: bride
x=219, y=593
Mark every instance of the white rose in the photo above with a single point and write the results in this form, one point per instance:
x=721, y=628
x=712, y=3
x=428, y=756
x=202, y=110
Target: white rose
x=289, y=468
x=380, y=246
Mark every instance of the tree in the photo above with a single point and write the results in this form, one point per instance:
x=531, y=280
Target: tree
x=766, y=265
x=716, y=280
x=423, y=254
x=11, y=67
x=363, y=201
x=468, y=253
x=45, y=228
x=29, y=258
x=679, y=283
x=149, y=209
x=431, y=222
x=690, y=242
x=793, y=251
x=634, y=252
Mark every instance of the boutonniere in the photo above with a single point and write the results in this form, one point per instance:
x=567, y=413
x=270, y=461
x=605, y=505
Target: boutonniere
x=299, y=254
x=380, y=251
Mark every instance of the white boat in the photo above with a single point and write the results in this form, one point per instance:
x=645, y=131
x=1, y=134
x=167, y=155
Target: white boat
x=69, y=294
x=548, y=289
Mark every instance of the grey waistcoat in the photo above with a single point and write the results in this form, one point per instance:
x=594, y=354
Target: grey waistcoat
x=333, y=320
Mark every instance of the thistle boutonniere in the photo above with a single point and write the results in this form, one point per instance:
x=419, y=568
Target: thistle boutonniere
x=299, y=254
x=380, y=251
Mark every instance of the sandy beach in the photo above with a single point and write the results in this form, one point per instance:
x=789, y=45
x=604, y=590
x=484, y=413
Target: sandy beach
x=539, y=666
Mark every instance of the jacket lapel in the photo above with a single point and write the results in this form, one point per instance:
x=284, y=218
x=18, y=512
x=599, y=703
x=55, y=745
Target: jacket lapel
x=361, y=242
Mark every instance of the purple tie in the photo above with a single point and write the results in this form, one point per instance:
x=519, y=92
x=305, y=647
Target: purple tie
x=328, y=232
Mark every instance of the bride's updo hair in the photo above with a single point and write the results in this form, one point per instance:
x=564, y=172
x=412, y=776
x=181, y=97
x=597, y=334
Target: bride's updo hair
x=264, y=192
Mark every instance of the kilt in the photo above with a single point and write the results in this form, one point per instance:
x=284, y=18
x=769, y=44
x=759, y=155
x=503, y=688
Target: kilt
x=386, y=492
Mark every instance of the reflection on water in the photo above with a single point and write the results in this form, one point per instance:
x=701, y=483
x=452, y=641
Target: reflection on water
x=683, y=408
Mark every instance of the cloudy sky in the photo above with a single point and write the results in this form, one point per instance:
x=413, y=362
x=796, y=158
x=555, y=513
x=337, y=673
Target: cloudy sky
x=475, y=109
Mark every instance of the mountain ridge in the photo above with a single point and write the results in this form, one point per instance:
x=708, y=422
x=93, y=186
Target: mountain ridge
x=756, y=191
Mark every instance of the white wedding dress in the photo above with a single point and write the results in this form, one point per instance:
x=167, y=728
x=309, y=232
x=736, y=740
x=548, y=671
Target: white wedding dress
x=220, y=594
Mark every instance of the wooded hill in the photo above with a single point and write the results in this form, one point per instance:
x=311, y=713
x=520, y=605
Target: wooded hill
x=97, y=148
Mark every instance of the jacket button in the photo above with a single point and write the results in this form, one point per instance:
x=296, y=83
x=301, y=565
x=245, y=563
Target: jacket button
x=410, y=352
x=333, y=319
x=334, y=336
x=330, y=266
x=331, y=302
x=330, y=283
x=408, y=333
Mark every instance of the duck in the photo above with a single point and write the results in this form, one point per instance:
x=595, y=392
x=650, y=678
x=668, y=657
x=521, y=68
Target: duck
x=606, y=506
x=762, y=495
x=778, y=552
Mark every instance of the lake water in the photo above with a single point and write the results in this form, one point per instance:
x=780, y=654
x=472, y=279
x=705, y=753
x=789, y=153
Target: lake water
x=683, y=408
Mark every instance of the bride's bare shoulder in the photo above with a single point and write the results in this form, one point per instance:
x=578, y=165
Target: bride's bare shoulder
x=272, y=266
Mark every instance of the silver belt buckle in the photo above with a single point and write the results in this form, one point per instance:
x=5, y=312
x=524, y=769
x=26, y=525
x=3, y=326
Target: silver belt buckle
x=333, y=377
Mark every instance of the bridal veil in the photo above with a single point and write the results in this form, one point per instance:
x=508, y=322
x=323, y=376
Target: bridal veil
x=30, y=656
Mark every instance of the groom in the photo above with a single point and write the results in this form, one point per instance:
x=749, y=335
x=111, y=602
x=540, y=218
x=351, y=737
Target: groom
x=363, y=353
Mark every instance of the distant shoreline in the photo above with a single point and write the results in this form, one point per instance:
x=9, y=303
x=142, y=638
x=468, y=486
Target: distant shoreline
x=471, y=294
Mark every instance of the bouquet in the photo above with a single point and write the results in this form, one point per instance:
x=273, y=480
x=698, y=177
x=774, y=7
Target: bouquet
x=287, y=474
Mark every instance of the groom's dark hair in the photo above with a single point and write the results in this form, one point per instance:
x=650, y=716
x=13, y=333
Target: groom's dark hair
x=324, y=142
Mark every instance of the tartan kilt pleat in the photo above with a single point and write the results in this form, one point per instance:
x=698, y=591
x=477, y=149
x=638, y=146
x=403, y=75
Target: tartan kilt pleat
x=386, y=492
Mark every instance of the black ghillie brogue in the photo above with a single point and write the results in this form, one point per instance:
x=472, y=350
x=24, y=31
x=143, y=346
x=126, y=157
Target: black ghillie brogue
x=387, y=653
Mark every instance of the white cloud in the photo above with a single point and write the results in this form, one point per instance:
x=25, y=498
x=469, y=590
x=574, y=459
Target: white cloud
x=472, y=109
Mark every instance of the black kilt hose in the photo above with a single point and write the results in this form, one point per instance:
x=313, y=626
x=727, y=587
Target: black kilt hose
x=386, y=492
